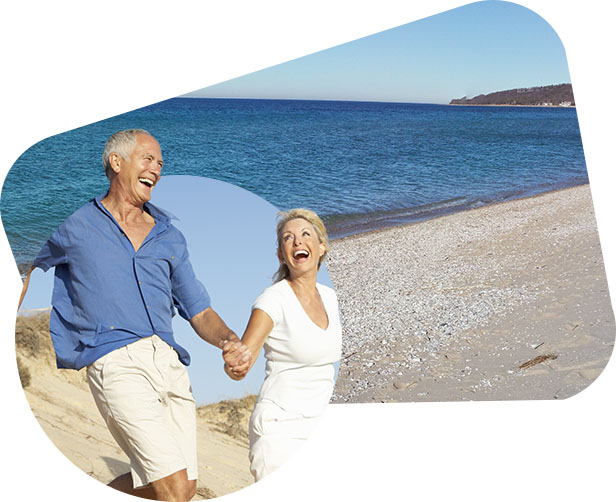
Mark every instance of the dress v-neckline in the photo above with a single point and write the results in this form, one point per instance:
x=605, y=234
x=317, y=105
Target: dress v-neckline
x=304, y=310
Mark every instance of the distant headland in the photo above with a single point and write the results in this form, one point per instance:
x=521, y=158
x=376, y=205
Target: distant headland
x=549, y=95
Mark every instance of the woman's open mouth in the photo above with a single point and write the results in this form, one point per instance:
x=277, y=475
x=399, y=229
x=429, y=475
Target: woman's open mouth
x=301, y=255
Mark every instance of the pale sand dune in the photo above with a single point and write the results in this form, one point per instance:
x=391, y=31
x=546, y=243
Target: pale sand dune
x=449, y=309
x=62, y=404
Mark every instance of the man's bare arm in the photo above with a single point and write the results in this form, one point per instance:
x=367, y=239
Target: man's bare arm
x=211, y=328
x=24, y=289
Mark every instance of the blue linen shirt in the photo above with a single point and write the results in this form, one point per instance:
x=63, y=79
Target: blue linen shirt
x=107, y=295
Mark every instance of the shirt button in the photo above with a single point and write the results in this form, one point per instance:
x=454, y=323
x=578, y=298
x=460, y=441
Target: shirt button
x=173, y=257
x=111, y=327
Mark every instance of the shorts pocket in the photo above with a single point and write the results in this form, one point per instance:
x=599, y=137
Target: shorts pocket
x=95, y=369
x=267, y=418
x=114, y=365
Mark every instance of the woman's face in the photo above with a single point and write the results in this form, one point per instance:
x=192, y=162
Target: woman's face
x=300, y=247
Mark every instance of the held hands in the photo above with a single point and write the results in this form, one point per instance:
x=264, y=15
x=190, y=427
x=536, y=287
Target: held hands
x=237, y=359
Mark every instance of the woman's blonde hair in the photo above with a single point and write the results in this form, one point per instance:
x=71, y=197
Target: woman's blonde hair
x=310, y=216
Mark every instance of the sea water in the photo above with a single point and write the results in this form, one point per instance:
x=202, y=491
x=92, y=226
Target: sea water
x=360, y=165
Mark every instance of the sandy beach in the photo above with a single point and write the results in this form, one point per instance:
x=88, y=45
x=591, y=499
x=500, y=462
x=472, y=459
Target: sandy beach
x=63, y=405
x=508, y=301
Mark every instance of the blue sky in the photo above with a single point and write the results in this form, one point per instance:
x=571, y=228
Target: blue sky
x=478, y=48
x=231, y=240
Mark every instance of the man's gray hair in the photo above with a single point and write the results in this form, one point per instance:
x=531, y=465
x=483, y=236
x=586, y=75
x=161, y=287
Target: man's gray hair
x=122, y=143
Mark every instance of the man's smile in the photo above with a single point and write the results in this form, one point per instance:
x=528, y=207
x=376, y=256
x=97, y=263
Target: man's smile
x=148, y=182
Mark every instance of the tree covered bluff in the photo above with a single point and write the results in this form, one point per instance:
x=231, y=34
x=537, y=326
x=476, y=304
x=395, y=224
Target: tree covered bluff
x=549, y=95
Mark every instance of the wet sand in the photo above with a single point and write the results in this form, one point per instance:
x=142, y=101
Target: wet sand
x=508, y=301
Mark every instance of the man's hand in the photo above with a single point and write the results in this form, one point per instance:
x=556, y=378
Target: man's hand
x=237, y=359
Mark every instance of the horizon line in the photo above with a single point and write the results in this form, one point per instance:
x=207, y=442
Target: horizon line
x=310, y=99
x=364, y=100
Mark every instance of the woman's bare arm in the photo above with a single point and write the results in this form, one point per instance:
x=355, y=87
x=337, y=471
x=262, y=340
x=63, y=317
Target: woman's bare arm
x=259, y=327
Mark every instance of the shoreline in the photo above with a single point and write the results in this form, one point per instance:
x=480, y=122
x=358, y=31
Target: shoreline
x=367, y=222
x=465, y=210
x=450, y=309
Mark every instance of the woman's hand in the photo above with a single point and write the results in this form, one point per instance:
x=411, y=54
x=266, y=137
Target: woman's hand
x=237, y=359
x=234, y=352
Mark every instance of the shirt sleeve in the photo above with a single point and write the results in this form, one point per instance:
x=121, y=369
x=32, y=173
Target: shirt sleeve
x=52, y=254
x=270, y=303
x=189, y=296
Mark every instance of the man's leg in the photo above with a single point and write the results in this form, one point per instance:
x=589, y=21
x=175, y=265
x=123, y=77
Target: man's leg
x=174, y=488
x=124, y=484
x=169, y=488
x=134, y=403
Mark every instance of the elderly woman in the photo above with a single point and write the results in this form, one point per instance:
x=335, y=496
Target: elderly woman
x=296, y=320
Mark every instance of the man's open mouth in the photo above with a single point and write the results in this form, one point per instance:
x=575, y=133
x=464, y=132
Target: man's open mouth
x=148, y=182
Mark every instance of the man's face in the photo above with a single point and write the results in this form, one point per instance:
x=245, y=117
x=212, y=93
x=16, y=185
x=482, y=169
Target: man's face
x=139, y=173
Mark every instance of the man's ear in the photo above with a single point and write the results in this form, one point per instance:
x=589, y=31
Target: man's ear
x=114, y=162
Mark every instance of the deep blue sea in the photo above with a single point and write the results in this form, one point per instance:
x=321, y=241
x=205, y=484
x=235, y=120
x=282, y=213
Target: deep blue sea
x=359, y=165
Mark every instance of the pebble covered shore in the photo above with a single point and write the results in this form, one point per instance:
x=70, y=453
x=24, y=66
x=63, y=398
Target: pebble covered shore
x=449, y=309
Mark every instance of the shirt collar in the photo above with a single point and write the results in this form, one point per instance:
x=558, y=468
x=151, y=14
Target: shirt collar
x=161, y=216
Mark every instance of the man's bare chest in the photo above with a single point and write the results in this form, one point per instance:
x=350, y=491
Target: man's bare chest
x=137, y=232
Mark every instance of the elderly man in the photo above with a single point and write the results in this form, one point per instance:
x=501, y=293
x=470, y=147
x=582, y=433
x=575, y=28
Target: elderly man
x=121, y=271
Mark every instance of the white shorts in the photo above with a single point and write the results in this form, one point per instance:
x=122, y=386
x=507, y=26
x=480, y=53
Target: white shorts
x=143, y=392
x=275, y=435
